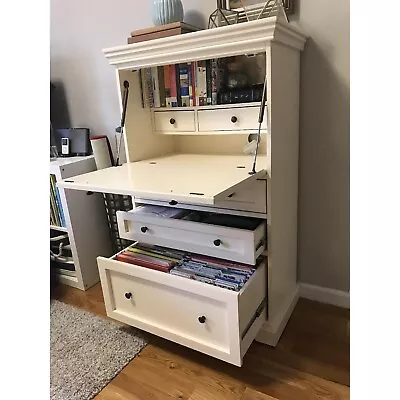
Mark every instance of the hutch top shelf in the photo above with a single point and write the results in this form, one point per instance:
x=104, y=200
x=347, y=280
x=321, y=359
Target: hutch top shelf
x=245, y=38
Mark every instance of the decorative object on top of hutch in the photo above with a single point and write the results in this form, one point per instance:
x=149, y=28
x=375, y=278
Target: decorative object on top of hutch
x=189, y=172
x=222, y=15
x=250, y=10
x=166, y=11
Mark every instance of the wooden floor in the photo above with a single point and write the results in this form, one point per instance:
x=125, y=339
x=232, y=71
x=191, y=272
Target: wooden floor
x=311, y=361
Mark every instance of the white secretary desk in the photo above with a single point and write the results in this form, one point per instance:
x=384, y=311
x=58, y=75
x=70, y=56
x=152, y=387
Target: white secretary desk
x=193, y=158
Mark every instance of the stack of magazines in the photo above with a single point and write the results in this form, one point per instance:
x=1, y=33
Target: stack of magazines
x=214, y=271
x=153, y=257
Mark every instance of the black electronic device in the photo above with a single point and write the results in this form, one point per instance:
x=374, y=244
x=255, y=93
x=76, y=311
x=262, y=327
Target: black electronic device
x=78, y=138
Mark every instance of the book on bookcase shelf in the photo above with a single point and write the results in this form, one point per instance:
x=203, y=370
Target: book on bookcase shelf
x=196, y=83
x=56, y=211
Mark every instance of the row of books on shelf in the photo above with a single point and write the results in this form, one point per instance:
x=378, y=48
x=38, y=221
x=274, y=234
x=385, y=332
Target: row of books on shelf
x=179, y=85
x=56, y=211
x=226, y=274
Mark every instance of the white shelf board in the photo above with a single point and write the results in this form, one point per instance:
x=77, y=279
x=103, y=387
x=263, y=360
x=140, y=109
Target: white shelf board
x=209, y=107
x=61, y=161
x=59, y=228
x=188, y=178
x=214, y=133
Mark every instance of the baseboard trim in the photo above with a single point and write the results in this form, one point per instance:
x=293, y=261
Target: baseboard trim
x=325, y=295
x=271, y=331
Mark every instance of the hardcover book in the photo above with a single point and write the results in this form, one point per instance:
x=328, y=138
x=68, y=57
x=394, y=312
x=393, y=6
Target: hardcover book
x=184, y=85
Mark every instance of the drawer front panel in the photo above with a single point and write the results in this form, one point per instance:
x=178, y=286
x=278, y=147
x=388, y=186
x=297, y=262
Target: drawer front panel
x=171, y=310
x=229, y=119
x=227, y=243
x=170, y=306
x=253, y=198
x=174, y=121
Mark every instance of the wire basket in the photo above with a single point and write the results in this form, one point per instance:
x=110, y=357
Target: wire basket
x=114, y=203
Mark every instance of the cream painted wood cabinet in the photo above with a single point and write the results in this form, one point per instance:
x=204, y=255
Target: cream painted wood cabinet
x=192, y=158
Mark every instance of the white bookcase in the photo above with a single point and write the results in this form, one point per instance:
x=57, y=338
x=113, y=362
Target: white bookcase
x=193, y=158
x=86, y=224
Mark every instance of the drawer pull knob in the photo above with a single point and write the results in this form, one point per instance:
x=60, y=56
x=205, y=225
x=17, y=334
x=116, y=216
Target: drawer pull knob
x=173, y=202
x=144, y=229
x=202, y=319
x=172, y=121
x=217, y=242
x=234, y=119
x=128, y=295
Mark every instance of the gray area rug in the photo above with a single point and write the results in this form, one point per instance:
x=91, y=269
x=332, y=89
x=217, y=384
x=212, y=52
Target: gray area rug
x=87, y=351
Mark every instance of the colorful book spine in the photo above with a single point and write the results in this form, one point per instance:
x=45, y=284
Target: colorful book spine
x=142, y=87
x=53, y=203
x=184, y=85
x=60, y=208
x=167, y=86
x=208, y=81
x=155, y=87
x=190, y=82
x=149, y=87
x=52, y=218
x=216, y=79
x=161, y=86
x=173, y=86
x=193, y=74
x=202, y=83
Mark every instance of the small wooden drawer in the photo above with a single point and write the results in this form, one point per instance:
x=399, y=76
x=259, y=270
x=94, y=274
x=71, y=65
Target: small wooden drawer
x=235, y=244
x=213, y=320
x=174, y=121
x=229, y=119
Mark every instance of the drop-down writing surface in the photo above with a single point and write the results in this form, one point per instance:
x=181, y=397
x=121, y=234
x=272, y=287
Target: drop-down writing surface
x=189, y=178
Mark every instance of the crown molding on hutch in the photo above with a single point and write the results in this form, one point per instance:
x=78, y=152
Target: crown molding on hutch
x=244, y=38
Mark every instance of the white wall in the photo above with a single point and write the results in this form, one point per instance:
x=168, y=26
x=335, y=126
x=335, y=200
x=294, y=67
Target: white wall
x=80, y=29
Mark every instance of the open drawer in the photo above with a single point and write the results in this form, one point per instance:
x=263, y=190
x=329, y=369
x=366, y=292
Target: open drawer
x=213, y=320
x=208, y=238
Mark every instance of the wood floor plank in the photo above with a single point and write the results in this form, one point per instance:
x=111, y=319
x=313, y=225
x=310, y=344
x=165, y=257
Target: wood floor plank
x=161, y=379
x=126, y=387
x=204, y=392
x=311, y=361
x=301, y=384
x=250, y=394
x=206, y=372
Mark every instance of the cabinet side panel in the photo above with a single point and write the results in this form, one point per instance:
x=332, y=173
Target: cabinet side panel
x=87, y=224
x=140, y=140
x=283, y=183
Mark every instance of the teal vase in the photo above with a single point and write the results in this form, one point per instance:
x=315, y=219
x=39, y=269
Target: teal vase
x=167, y=11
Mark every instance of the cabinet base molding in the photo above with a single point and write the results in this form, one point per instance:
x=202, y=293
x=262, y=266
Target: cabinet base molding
x=272, y=330
x=325, y=295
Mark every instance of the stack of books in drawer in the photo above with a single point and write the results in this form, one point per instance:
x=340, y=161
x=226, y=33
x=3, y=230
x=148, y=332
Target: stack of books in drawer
x=210, y=270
